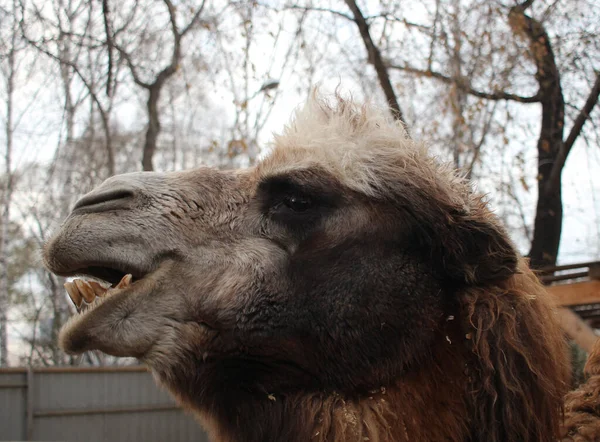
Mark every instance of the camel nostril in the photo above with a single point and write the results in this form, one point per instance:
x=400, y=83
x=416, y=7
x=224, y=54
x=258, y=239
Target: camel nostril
x=105, y=200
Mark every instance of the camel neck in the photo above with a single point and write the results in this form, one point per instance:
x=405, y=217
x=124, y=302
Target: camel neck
x=386, y=415
x=409, y=410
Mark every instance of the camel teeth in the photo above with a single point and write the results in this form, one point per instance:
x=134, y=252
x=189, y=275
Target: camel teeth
x=98, y=289
x=86, y=290
x=83, y=292
x=74, y=294
x=125, y=281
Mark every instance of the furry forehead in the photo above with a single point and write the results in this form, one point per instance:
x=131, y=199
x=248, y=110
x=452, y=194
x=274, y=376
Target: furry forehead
x=363, y=148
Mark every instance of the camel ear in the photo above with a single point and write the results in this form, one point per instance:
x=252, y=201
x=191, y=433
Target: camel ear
x=477, y=250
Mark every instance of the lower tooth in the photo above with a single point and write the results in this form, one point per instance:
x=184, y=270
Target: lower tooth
x=74, y=294
x=86, y=290
x=98, y=289
x=125, y=281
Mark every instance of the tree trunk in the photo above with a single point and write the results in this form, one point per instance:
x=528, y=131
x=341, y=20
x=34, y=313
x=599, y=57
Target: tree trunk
x=549, y=212
x=153, y=126
x=155, y=87
x=7, y=194
x=104, y=113
x=374, y=56
x=67, y=148
x=110, y=155
x=457, y=93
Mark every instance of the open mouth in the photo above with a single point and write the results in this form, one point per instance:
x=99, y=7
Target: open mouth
x=95, y=284
x=118, y=311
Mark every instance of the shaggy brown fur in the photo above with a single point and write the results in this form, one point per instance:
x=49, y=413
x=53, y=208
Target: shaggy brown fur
x=520, y=357
x=582, y=406
x=347, y=288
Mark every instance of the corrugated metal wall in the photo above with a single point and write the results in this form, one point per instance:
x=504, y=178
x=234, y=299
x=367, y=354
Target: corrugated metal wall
x=90, y=405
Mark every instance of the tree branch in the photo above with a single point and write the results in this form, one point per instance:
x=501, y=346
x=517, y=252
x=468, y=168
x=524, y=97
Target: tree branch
x=584, y=114
x=385, y=15
x=391, y=17
x=171, y=68
x=194, y=20
x=582, y=117
x=172, y=18
x=317, y=9
x=92, y=92
x=127, y=21
x=500, y=95
x=525, y=5
x=375, y=57
x=109, y=45
x=136, y=78
x=436, y=20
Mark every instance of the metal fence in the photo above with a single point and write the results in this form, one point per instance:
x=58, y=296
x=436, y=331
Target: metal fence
x=90, y=405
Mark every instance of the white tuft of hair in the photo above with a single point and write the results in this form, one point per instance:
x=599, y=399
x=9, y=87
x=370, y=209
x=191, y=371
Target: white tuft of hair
x=361, y=145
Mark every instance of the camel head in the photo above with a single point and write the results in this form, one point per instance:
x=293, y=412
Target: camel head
x=333, y=265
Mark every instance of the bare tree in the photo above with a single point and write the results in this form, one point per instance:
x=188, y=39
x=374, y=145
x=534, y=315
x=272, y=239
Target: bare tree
x=451, y=70
x=255, y=86
x=68, y=37
x=375, y=58
x=9, y=70
x=155, y=86
x=552, y=148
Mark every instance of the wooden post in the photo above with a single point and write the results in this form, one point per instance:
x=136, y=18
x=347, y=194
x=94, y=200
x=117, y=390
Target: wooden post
x=595, y=271
x=578, y=293
x=29, y=428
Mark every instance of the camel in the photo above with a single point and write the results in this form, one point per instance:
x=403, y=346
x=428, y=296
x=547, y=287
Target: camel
x=348, y=287
x=582, y=406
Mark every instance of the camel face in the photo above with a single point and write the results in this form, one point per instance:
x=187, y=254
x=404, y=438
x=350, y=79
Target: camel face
x=248, y=265
x=331, y=264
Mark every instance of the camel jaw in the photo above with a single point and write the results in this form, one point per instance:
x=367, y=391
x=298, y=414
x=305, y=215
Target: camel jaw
x=142, y=314
x=127, y=320
x=77, y=335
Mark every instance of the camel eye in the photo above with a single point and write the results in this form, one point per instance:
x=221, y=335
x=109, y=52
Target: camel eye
x=297, y=203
